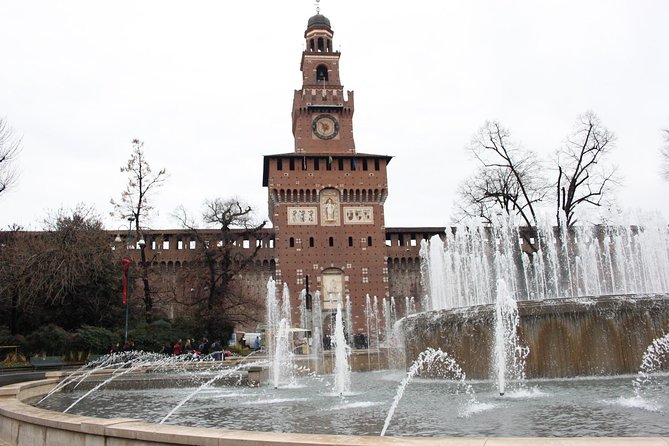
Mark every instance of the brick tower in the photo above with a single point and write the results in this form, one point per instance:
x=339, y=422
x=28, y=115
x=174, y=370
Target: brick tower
x=325, y=199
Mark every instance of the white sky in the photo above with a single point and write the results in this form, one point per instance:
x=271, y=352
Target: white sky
x=208, y=87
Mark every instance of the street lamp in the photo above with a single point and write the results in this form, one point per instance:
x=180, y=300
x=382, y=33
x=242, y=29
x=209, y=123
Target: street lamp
x=126, y=286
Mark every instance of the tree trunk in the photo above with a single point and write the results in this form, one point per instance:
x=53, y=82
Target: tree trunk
x=148, y=301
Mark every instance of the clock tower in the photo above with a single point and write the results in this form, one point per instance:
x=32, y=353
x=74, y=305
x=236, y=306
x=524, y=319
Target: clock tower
x=322, y=115
x=325, y=199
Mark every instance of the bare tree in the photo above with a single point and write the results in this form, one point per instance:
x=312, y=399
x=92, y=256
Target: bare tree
x=10, y=146
x=135, y=203
x=664, y=153
x=63, y=274
x=216, y=290
x=509, y=180
x=583, y=176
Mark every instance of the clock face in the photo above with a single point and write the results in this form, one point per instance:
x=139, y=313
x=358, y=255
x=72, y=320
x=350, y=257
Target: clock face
x=325, y=126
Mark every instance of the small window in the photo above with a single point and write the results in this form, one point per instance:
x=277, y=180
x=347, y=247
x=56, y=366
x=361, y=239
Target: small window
x=331, y=241
x=369, y=240
x=311, y=242
x=317, y=165
x=377, y=164
x=364, y=164
x=279, y=164
x=192, y=244
x=341, y=163
x=291, y=242
x=350, y=241
x=291, y=164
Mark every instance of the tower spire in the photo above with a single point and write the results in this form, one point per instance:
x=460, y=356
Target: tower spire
x=318, y=7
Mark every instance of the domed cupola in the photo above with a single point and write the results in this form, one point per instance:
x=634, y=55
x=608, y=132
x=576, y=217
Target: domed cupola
x=319, y=21
x=318, y=34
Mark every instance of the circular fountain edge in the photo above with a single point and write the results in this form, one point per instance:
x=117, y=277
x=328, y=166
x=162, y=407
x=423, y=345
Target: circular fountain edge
x=23, y=425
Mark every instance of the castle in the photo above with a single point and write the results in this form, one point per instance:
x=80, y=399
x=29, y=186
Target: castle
x=326, y=205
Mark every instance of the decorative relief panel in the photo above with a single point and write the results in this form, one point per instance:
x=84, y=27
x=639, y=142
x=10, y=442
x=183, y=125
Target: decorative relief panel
x=332, y=286
x=303, y=215
x=330, y=207
x=359, y=215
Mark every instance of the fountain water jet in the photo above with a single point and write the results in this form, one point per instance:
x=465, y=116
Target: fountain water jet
x=317, y=333
x=342, y=369
x=509, y=355
x=427, y=358
x=279, y=324
x=461, y=270
x=655, y=358
x=131, y=365
x=221, y=374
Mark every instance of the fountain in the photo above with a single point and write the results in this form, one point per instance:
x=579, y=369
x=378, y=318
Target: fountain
x=499, y=330
x=447, y=405
x=589, y=299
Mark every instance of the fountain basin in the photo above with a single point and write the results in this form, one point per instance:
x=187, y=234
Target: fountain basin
x=593, y=406
x=604, y=335
x=22, y=425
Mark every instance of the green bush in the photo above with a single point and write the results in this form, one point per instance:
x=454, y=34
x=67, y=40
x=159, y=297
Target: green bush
x=95, y=340
x=50, y=339
x=152, y=337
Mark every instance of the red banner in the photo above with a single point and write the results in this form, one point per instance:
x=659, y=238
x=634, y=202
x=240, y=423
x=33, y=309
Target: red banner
x=126, y=264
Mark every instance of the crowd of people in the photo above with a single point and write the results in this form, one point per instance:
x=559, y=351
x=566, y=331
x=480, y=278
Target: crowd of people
x=189, y=347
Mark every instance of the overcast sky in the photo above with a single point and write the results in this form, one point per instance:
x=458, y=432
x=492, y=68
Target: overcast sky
x=208, y=87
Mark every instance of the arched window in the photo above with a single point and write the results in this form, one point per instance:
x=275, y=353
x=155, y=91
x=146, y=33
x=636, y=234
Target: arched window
x=321, y=73
x=331, y=241
x=311, y=44
x=369, y=240
x=311, y=242
x=321, y=44
x=350, y=241
x=291, y=242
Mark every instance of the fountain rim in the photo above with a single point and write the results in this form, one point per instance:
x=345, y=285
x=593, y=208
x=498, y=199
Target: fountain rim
x=19, y=420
